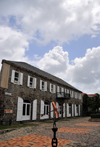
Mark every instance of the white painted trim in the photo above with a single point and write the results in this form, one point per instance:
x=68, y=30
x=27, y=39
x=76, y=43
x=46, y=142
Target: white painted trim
x=52, y=111
x=21, y=78
x=79, y=110
x=45, y=86
x=28, y=80
x=12, y=76
x=34, y=82
x=34, y=116
x=72, y=110
x=19, y=109
x=63, y=109
x=40, y=84
x=42, y=109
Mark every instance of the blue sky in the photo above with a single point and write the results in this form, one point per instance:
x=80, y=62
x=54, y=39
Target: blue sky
x=60, y=37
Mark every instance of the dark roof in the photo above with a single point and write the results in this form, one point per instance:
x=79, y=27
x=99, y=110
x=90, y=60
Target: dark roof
x=40, y=72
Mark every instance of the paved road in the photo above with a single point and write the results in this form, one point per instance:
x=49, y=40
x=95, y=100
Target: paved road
x=73, y=133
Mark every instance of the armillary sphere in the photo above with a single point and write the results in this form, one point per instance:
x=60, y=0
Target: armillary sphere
x=54, y=129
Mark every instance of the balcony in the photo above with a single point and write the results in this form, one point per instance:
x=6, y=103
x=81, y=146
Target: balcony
x=63, y=95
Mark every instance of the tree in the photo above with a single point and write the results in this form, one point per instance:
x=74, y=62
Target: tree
x=85, y=103
x=95, y=103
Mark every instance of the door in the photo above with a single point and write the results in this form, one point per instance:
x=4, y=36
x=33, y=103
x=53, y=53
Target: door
x=26, y=111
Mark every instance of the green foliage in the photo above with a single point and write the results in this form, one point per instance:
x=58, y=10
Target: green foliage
x=85, y=102
x=95, y=103
x=95, y=115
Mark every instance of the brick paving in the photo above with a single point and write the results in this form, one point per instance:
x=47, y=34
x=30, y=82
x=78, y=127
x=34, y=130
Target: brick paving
x=73, y=133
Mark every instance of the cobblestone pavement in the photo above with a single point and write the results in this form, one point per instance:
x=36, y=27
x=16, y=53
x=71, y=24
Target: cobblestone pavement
x=77, y=132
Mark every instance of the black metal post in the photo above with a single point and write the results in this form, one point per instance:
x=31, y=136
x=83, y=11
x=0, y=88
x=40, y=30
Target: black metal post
x=54, y=140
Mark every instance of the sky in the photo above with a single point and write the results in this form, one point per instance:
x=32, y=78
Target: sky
x=61, y=37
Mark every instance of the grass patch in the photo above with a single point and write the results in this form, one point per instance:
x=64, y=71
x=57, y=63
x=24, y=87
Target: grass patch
x=46, y=121
x=63, y=120
x=16, y=126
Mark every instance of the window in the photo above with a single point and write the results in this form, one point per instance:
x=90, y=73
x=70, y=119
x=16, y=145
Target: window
x=52, y=88
x=65, y=90
x=17, y=77
x=71, y=93
x=60, y=90
x=46, y=108
x=69, y=108
x=76, y=108
x=26, y=108
x=75, y=94
x=43, y=85
x=59, y=110
x=31, y=82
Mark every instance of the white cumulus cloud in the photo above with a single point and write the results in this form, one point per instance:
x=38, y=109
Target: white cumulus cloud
x=13, y=44
x=83, y=74
x=55, y=61
x=60, y=21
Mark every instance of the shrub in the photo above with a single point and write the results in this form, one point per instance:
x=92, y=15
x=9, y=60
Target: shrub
x=95, y=115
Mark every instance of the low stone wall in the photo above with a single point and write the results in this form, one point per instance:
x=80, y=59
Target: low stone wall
x=6, y=130
x=94, y=119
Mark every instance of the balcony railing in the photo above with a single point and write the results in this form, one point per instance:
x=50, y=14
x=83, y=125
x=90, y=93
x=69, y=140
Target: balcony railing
x=63, y=95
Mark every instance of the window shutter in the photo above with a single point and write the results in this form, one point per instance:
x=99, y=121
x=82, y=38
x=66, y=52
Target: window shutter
x=72, y=110
x=34, y=110
x=65, y=90
x=50, y=87
x=79, y=110
x=62, y=89
x=54, y=88
x=80, y=96
x=12, y=76
x=52, y=111
x=67, y=110
x=40, y=84
x=64, y=110
x=28, y=81
x=34, y=82
x=72, y=93
x=45, y=85
x=57, y=88
x=42, y=109
x=21, y=78
x=75, y=110
x=19, y=109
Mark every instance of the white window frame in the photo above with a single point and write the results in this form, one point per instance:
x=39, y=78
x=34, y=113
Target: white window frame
x=20, y=77
x=80, y=96
x=52, y=88
x=26, y=109
x=45, y=85
x=46, y=106
x=65, y=90
x=16, y=82
x=33, y=82
x=76, y=95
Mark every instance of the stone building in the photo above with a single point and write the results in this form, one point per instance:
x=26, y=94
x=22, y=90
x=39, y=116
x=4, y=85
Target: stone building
x=26, y=93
